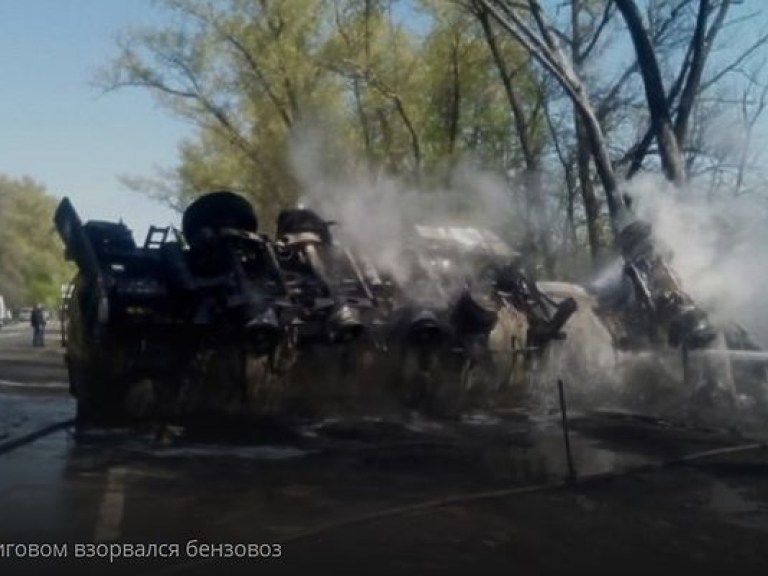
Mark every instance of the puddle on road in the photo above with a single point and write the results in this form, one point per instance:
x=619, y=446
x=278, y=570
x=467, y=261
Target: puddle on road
x=313, y=470
x=500, y=448
x=33, y=478
x=488, y=447
x=512, y=447
x=737, y=507
x=225, y=451
x=22, y=414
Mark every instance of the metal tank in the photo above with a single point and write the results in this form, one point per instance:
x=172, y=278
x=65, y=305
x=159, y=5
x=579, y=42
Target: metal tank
x=217, y=321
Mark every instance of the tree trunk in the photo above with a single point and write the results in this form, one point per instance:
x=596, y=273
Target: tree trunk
x=583, y=165
x=661, y=119
x=599, y=148
x=537, y=236
x=542, y=45
x=587, y=188
x=454, y=113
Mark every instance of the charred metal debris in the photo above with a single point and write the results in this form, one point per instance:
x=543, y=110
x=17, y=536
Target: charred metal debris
x=218, y=319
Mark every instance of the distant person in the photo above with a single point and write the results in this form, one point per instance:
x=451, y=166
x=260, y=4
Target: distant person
x=37, y=320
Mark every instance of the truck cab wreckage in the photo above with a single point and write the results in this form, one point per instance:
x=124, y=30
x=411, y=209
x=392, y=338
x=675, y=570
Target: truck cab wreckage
x=219, y=321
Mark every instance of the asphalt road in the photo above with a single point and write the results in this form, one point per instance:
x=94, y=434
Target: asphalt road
x=488, y=494
x=21, y=363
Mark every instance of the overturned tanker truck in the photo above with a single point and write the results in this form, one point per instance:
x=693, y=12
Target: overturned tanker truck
x=645, y=307
x=219, y=320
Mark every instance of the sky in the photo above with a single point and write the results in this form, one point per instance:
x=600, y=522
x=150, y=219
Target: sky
x=65, y=133
x=68, y=135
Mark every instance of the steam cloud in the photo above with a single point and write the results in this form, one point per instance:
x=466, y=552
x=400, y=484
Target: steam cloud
x=375, y=211
x=719, y=248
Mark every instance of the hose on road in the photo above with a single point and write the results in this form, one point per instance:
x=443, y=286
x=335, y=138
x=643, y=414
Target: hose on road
x=26, y=439
x=465, y=498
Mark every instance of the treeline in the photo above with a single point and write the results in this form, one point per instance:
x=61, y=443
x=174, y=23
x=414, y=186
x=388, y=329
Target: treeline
x=565, y=101
x=406, y=92
x=32, y=267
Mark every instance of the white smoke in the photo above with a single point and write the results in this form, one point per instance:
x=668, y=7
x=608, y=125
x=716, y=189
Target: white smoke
x=719, y=248
x=375, y=211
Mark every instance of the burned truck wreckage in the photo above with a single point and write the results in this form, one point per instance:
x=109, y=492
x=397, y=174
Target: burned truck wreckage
x=218, y=320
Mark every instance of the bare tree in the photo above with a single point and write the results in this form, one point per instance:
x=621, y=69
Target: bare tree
x=581, y=46
x=671, y=133
x=528, y=24
x=689, y=26
x=754, y=100
x=538, y=236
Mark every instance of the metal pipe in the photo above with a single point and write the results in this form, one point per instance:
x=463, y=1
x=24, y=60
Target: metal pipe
x=743, y=355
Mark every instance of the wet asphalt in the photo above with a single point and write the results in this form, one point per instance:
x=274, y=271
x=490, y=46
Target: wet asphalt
x=489, y=493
